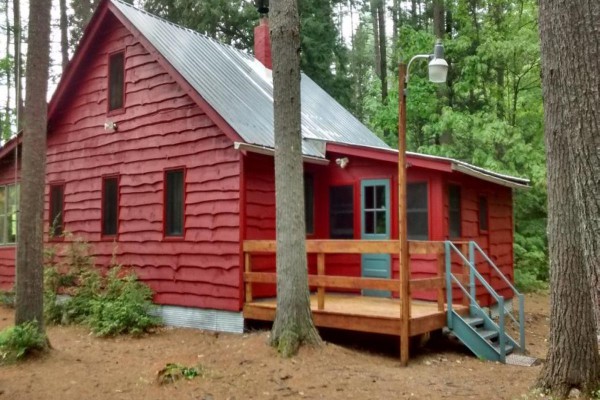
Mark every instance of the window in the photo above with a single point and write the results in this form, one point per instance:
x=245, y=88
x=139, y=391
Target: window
x=56, y=210
x=341, y=212
x=309, y=203
x=454, y=211
x=116, y=81
x=9, y=205
x=417, y=211
x=174, y=202
x=375, y=210
x=110, y=205
x=483, y=214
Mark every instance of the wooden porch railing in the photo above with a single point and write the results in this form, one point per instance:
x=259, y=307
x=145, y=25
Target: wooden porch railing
x=322, y=281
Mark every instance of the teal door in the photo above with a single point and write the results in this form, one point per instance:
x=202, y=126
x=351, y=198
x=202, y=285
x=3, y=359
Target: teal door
x=375, y=225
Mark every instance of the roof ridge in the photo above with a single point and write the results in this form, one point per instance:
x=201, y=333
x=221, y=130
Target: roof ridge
x=216, y=41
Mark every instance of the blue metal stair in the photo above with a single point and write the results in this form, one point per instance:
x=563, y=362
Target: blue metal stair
x=478, y=331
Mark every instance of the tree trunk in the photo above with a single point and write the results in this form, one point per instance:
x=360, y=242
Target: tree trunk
x=573, y=72
x=376, y=51
x=293, y=323
x=30, y=270
x=438, y=19
x=395, y=23
x=571, y=97
x=64, y=34
x=382, y=50
x=414, y=17
x=18, y=63
x=7, y=115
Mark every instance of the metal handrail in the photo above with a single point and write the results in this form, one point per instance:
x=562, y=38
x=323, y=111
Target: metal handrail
x=473, y=273
x=521, y=322
x=501, y=322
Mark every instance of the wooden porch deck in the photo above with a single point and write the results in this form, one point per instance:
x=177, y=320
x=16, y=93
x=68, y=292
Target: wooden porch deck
x=361, y=314
x=355, y=312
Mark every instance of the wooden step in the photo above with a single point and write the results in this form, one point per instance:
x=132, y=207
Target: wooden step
x=507, y=347
x=474, y=321
x=487, y=335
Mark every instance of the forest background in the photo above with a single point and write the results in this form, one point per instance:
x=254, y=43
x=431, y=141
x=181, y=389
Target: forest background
x=489, y=113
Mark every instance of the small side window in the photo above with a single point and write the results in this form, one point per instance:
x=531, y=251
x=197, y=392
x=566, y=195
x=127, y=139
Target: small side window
x=341, y=212
x=110, y=205
x=116, y=81
x=174, y=202
x=454, y=211
x=483, y=214
x=56, y=219
x=309, y=203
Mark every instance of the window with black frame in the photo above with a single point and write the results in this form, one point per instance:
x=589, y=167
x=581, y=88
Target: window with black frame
x=309, y=203
x=454, y=211
x=417, y=211
x=341, y=212
x=56, y=218
x=174, y=202
x=110, y=205
x=116, y=81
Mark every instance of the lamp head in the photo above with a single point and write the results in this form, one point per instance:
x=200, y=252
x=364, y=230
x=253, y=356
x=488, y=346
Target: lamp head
x=262, y=6
x=438, y=67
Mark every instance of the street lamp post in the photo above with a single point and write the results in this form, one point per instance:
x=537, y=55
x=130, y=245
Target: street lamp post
x=438, y=70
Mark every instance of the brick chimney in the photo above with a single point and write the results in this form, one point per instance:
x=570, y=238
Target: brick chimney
x=262, y=43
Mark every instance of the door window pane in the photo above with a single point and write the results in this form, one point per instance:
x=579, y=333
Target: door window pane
x=369, y=198
x=380, y=197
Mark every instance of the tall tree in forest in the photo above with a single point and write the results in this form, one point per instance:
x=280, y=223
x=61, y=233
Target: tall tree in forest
x=64, y=33
x=439, y=26
x=293, y=323
x=18, y=74
x=30, y=271
x=82, y=13
x=324, y=56
x=571, y=98
x=7, y=67
x=229, y=21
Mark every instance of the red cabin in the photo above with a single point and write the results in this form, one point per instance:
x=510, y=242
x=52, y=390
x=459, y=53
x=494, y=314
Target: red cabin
x=160, y=143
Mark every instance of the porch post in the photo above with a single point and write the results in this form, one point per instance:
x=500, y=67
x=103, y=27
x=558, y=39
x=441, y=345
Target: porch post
x=403, y=258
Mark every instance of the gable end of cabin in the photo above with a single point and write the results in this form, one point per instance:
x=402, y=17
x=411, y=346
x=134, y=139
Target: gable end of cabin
x=148, y=175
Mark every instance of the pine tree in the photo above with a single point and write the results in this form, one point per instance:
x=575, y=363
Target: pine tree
x=293, y=323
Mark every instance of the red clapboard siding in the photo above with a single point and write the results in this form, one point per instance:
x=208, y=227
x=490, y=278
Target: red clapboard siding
x=497, y=241
x=7, y=252
x=160, y=128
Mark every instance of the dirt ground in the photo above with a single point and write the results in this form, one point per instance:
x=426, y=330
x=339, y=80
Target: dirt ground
x=81, y=366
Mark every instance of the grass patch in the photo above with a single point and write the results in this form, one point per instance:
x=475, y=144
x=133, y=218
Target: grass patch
x=174, y=372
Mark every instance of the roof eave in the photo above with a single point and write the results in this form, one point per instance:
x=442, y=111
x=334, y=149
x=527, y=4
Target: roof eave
x=459, y=167
x=254, y=148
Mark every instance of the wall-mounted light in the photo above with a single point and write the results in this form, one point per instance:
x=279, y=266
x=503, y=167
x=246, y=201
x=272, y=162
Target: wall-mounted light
x=110, y=126
x=342, y=162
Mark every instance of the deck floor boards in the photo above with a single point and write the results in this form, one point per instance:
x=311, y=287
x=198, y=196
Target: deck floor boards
x=361, y=313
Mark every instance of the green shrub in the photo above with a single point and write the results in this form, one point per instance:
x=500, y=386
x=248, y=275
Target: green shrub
x=20, y=341
x=122, y=306
x=109, y=304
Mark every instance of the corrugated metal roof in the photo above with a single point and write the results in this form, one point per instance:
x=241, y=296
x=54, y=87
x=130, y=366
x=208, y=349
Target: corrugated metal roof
x=240, y=88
